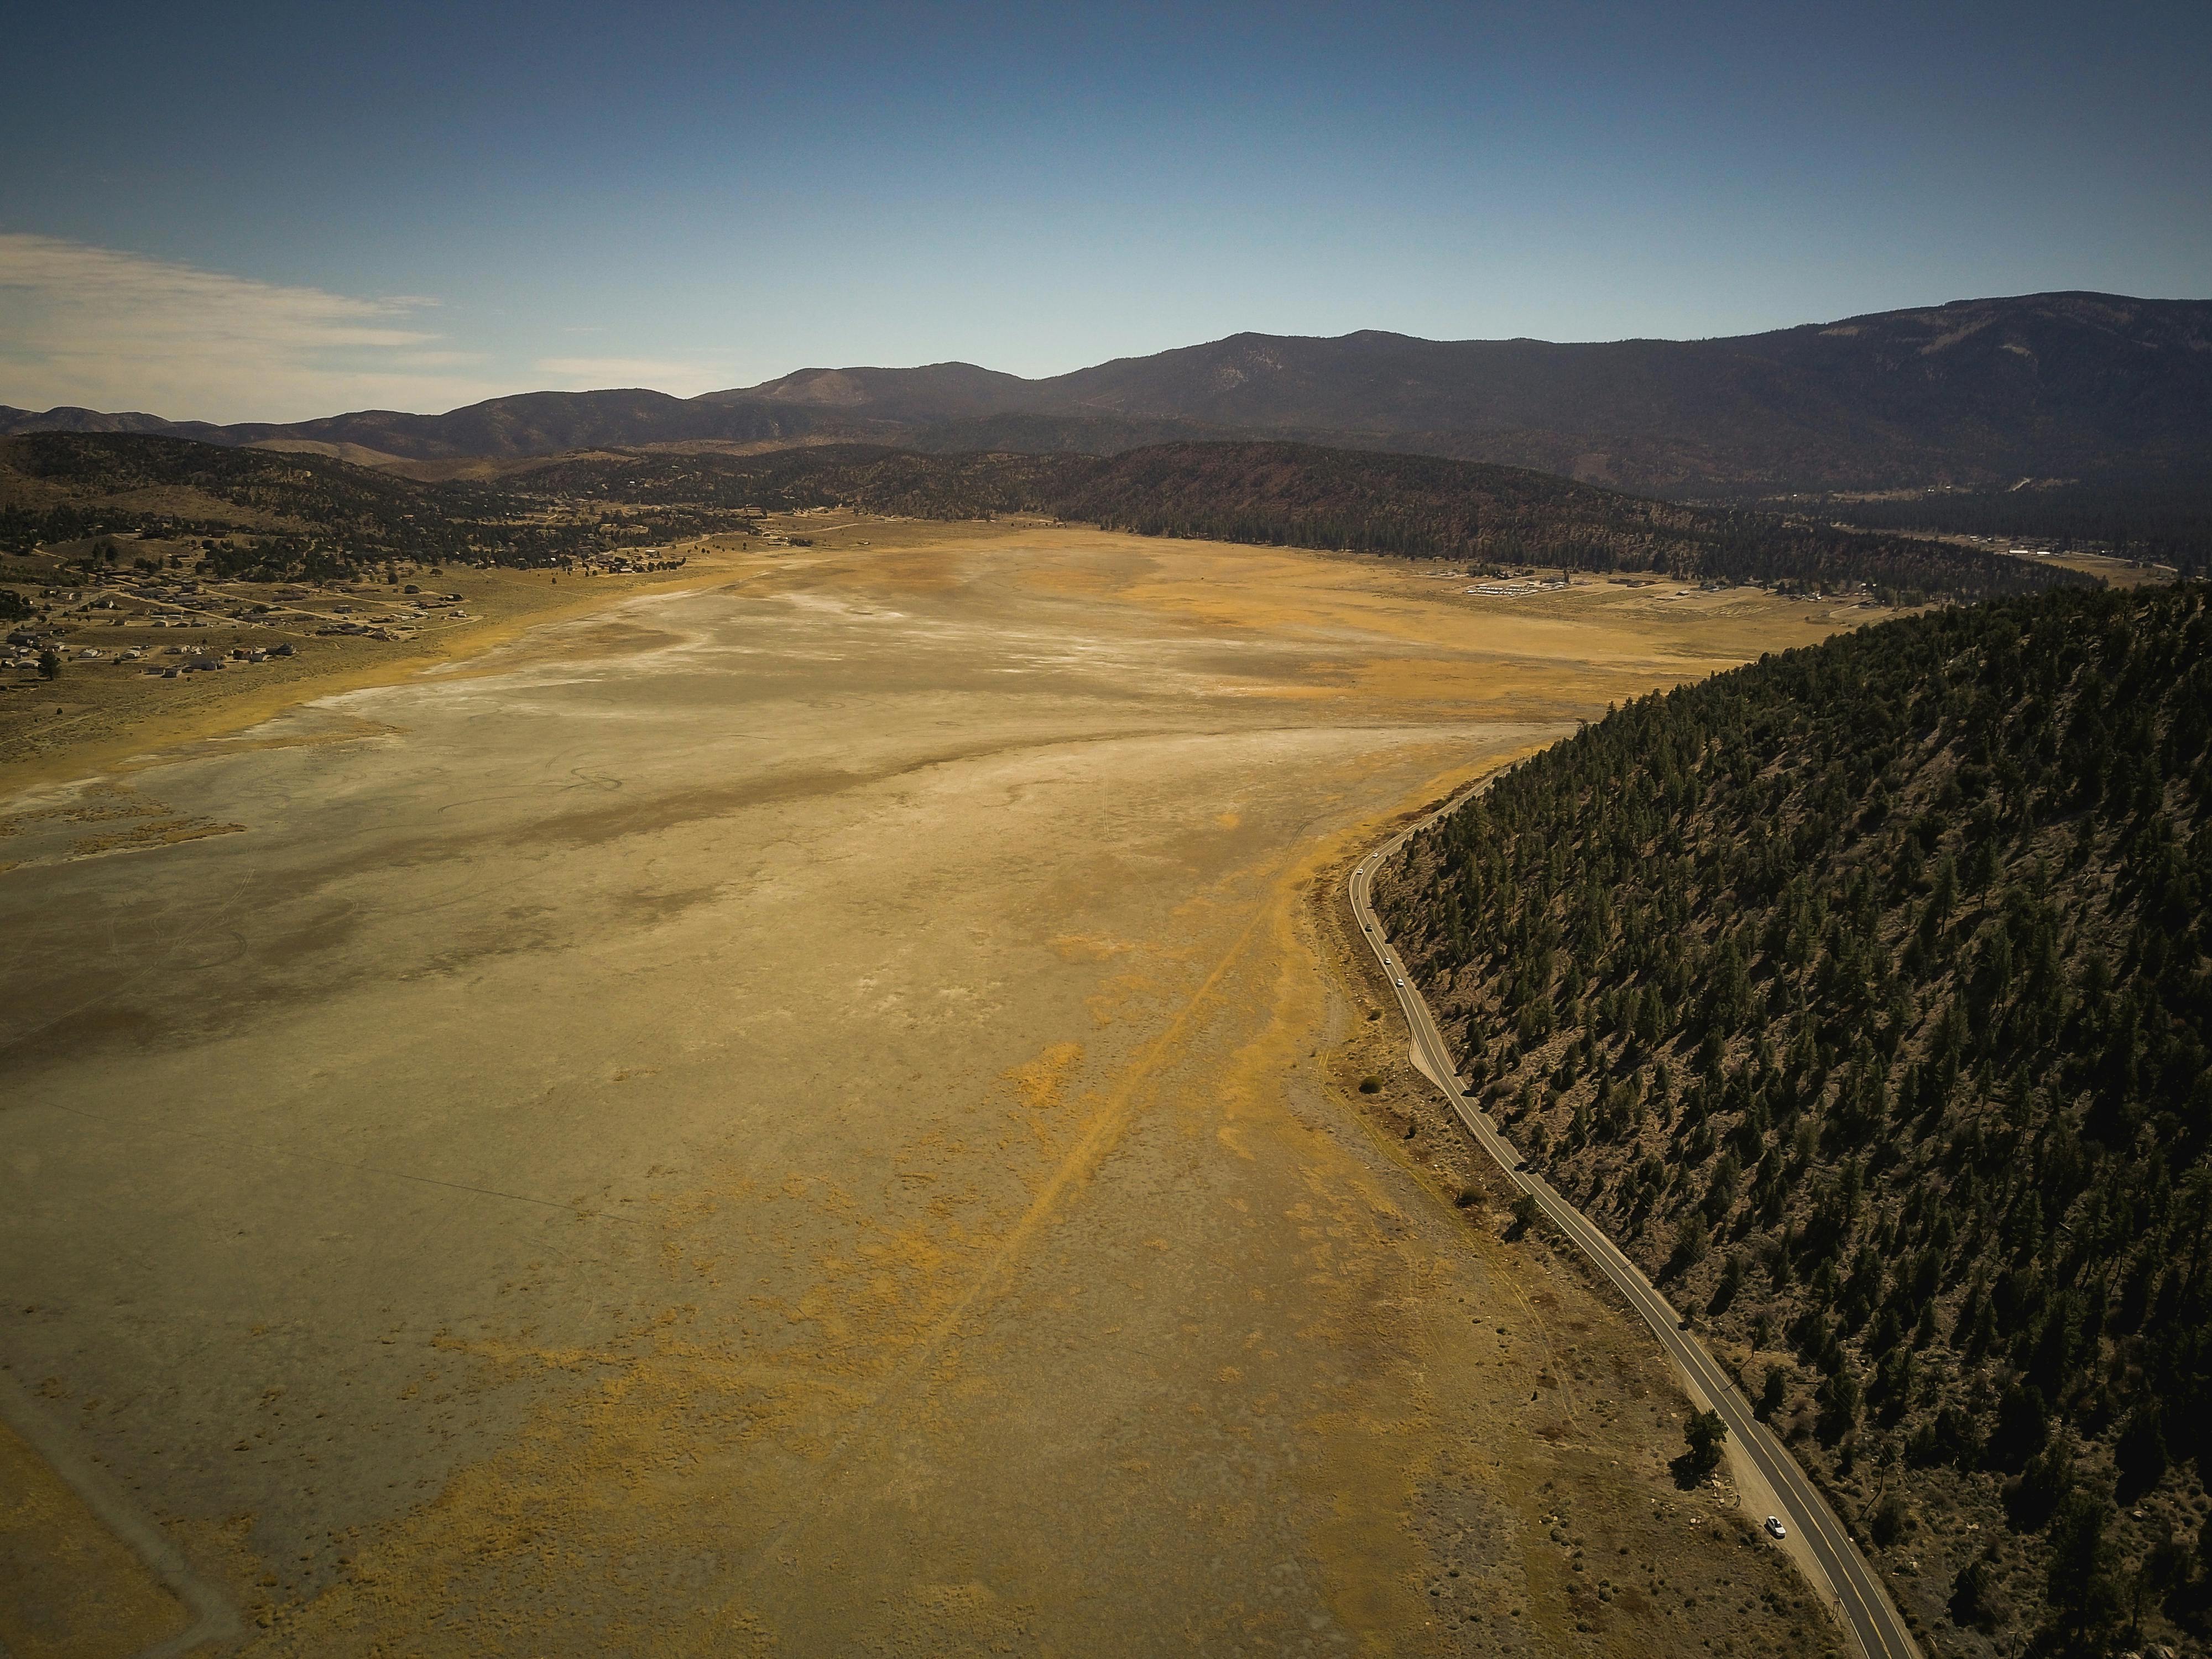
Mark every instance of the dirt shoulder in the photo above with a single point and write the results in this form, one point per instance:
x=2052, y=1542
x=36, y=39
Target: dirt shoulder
x=1615, y=1545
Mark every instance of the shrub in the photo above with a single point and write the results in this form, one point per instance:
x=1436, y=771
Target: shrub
x=1972, y=1606
x=1772, y=1395
x=1706, y=1436
x=1888, y=1522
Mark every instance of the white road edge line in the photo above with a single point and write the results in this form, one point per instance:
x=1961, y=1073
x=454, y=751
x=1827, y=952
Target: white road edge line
x=1862, y=1604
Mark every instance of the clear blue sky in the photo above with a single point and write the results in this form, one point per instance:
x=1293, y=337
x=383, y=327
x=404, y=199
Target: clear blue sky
x=238, y=212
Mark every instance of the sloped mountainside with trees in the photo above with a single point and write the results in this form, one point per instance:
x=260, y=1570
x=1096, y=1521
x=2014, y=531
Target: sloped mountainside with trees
x=1301, y=495
x=2165, y=520
x=299, y=514
x=56, y=486
x=1862, y=995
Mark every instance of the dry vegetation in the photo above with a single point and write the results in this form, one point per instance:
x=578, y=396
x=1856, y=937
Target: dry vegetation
x=806, y=1113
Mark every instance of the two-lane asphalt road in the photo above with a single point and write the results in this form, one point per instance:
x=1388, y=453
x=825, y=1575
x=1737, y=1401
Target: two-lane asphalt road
x=1861, y=1602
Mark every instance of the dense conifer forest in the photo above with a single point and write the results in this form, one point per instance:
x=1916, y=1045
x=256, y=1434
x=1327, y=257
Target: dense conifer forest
x=57, y=486
x=1862, y=993
x=1301, y=495
x=2165, y=520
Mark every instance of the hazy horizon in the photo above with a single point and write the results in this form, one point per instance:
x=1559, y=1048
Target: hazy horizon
x=825, y=368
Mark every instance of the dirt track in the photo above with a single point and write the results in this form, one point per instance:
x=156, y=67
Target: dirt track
x=806, y=1117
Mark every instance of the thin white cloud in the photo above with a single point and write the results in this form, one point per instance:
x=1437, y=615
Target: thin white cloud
x=114, y=330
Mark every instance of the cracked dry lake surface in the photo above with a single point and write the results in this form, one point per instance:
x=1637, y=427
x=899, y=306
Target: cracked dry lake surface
x=805, y=1116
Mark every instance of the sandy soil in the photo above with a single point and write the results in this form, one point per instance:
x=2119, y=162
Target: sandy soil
x=68, y=1585
x=108, y=713
x=819, y=1115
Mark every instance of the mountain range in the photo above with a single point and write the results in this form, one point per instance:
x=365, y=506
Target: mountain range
x=1972, y=392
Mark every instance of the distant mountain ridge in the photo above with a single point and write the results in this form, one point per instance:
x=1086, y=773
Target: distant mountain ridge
x=531, y=423
x=941, y=392
x=1976, y=392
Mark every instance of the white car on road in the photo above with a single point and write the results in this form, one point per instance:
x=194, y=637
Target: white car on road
x=1775, y=1528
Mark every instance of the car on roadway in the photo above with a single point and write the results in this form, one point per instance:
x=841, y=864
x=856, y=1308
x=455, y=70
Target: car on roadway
x=1401, y=984
x=1775, y=1528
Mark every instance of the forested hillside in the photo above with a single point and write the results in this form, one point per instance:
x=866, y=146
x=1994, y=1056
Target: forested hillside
x=2167, y=520
x=1300, y=495
x=302, y=514
x=1420, y=507
x=56, y=486
x=1862, y=995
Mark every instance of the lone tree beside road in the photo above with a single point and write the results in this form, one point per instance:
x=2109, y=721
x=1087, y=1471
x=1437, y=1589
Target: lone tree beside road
x=1705, y=1435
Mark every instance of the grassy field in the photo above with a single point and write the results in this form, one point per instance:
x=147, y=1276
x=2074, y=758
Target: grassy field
x=816, y=1107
